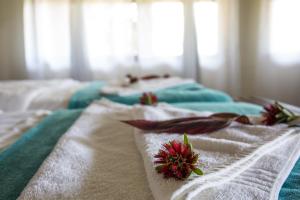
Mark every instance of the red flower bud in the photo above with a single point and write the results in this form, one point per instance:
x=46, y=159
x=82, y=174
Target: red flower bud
x=276, y=113
x=148, y=99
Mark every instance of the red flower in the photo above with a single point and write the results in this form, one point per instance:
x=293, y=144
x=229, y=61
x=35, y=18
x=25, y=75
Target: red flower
x=148, y=99
x=177, y=160
x=276, y=113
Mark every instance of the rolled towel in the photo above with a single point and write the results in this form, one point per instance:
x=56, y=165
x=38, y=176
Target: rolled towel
x=144, y=86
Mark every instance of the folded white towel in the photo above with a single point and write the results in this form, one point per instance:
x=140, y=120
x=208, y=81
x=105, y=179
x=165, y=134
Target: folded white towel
x=56, y=96
x=34, y=95
x=263, y=180
x=95, y=159
x=225, y=154
x=13, y=125
x=144, y=86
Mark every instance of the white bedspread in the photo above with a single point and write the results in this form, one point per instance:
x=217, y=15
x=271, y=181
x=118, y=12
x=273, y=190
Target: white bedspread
x=34, y=95
x=97, y=159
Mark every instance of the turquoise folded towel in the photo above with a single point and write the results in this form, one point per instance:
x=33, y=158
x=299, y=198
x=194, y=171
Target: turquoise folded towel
x=291, y=187
x=20, y=161
x=85, y=96
x=182, y=93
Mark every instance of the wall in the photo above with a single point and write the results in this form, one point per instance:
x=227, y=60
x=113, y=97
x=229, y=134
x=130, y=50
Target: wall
x=11, y=40
x=259, y=75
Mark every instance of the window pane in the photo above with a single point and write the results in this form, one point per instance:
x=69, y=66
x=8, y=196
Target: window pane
x=47, y=34
x=167, y=29
x=285, y=29
x=109, y=31
x=207, y=24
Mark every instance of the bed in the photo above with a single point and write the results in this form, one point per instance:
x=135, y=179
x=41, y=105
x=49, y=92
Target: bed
x=86, y=153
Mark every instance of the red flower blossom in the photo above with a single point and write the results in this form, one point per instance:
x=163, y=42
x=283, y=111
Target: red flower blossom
x=177, y=160
x=148, y=99
x=276, y=113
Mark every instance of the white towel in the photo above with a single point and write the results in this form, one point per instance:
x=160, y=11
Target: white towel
x=34, y=95
x=97, y=157
x=13, y=125
x=225, y=154
x=263, y=180
x=144, y=86
x=56, y=96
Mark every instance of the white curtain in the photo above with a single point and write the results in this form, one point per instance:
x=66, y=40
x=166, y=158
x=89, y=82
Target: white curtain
x=217, y=30
x=96, y=39
x=277, y=69
x=270, y=49
x=247, y=48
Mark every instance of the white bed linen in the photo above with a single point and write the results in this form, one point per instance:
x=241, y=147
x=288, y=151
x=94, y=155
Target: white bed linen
x=97, y=159
x=34, y=95
x=13, y=125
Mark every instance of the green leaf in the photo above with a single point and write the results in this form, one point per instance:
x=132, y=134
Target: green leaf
x=159, y=168
x=185, y=139
x=198, y=171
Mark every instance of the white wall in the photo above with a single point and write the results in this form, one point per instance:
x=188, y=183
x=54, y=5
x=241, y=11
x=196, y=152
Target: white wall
x=11, y=40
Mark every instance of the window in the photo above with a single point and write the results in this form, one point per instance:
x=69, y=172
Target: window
x=47, y=34
x=285, y=30
x=167, y=28
x=130, y=31
x=110, y=34
x=207, y=24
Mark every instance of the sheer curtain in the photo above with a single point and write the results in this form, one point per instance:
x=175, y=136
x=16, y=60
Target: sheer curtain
x=270, y=48
x=218, y=46
x=103, y=39
x=247, y=48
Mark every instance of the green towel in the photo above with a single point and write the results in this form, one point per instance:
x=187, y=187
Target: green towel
x=232, y=107
x=20, y=161
x=84, y=97
x=182, y=93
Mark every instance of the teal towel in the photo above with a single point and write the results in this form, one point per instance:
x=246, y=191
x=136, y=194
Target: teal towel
x=232, y=107
x=181, y=93
x=84, y=97
x=291, y=187
x=20, y=161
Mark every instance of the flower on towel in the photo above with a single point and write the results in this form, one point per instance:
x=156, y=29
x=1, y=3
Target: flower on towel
x=148, y=99
x=177, y=160
x=276, y=113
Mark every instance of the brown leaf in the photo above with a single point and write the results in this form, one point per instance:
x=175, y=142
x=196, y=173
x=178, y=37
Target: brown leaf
x=190, y=125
